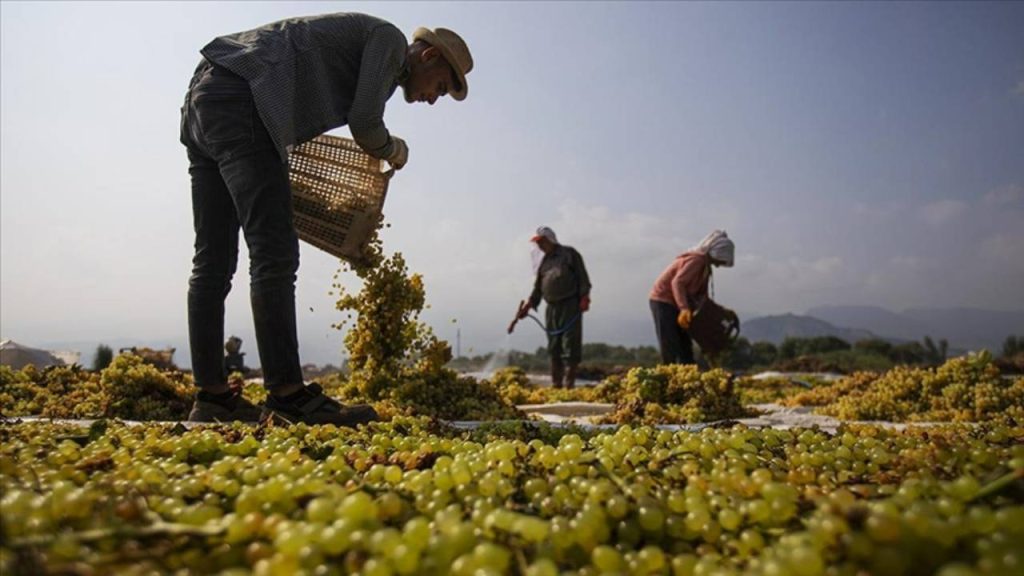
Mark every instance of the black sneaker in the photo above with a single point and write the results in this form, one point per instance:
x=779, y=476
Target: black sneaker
x=233, y=408
x=311, y=406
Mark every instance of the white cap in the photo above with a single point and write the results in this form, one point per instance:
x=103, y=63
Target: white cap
x=545, y=232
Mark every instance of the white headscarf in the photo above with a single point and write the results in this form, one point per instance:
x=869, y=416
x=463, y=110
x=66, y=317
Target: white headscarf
x=718, y=246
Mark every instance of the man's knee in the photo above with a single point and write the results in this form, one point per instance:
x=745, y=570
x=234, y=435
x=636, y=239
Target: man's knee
x=209, y=283
x=274, y=269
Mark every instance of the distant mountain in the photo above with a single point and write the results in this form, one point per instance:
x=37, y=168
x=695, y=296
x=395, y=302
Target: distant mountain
x=775, y=329
x=873, y=319
x=967, y=328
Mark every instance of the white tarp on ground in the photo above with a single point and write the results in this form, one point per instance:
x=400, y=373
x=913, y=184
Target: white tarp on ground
x=18, y=356
x=771, y=416
x=798, y=377
x=583, y=414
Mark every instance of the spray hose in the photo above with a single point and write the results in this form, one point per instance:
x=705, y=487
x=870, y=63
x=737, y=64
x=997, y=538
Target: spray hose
x=556, y=332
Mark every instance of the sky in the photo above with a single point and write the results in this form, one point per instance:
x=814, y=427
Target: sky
x=857, y=153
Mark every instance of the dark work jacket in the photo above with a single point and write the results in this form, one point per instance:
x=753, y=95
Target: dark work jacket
x=561, y=275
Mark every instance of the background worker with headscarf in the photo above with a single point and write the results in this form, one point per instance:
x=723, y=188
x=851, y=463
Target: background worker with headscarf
x=681, y=290
x=563, y=282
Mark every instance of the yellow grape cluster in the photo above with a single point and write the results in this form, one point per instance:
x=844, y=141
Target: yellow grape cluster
x=516, y=388
x=672, y=394
x=854, y=384
x=137, y=390
x=768, y=390
x=445, y=394
x=438, y=393
x=395, y=359
x=964, y=389
x=128, y=388
x=387, y=337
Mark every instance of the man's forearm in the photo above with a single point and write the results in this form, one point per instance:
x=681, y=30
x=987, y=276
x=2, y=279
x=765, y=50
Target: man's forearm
x=369, y=140
x=382, y=60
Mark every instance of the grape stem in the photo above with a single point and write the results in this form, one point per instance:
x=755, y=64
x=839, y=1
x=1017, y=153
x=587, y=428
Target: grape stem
x=159, y=529
x=613, y=477
x=998, y=484
x=521, y=560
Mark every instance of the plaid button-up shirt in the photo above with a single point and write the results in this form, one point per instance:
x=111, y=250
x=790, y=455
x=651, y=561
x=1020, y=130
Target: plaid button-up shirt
x=310, y=75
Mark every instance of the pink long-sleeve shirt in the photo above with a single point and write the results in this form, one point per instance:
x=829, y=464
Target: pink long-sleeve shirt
x=684, y=282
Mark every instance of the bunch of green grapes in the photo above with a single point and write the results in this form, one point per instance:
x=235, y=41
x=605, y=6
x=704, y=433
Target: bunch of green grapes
x=387, y=335
x=824, y=395
x=412, y=497
x=20, y=391
x=128, y=388
x=674, y=394
x=54, y=392
x=395, y=359
x=510, y=376
x=442, y=393
x=767, y=390
x=255, y=392
x=135, y=390
x=968, y=389
x=516, y=388
x=437, y=392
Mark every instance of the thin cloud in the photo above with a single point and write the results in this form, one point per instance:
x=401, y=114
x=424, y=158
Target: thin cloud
x=769, y=282
x=1009, y=196
x=942, y=212
x=907, y=262
x=1003, y=248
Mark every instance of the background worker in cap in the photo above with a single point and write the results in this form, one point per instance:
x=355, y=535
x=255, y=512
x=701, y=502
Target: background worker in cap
x=681, y=289
x=563, y=282
x=254, y=96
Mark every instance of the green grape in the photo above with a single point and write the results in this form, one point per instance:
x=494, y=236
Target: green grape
x=730, y=519
x=336, y=538
x=321, y=509
x=650, y=518
x=702, y=506
x=542, y=567
x=405, y=559
x=491, y=556
x=606, y=559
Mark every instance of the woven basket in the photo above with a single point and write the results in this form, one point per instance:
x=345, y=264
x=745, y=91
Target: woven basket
x=338, y=195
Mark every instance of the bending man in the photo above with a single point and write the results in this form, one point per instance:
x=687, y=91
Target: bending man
x=254, y=96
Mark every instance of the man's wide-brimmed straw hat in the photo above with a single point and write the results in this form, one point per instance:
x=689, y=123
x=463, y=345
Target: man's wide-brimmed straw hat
x=454, y=50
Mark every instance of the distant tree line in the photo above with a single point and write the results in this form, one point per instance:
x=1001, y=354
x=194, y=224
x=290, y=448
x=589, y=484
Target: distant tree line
x=598, y=359
x=817, y=352
x=1012, y=358
x=822, y=353
x=1013, y=346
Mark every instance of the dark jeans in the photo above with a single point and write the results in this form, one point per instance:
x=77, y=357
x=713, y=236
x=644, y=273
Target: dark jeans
x=238, y=181
x=674, y=342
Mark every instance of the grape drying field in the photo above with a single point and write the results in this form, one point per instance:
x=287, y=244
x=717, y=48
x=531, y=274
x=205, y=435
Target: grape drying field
x=416, y=495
